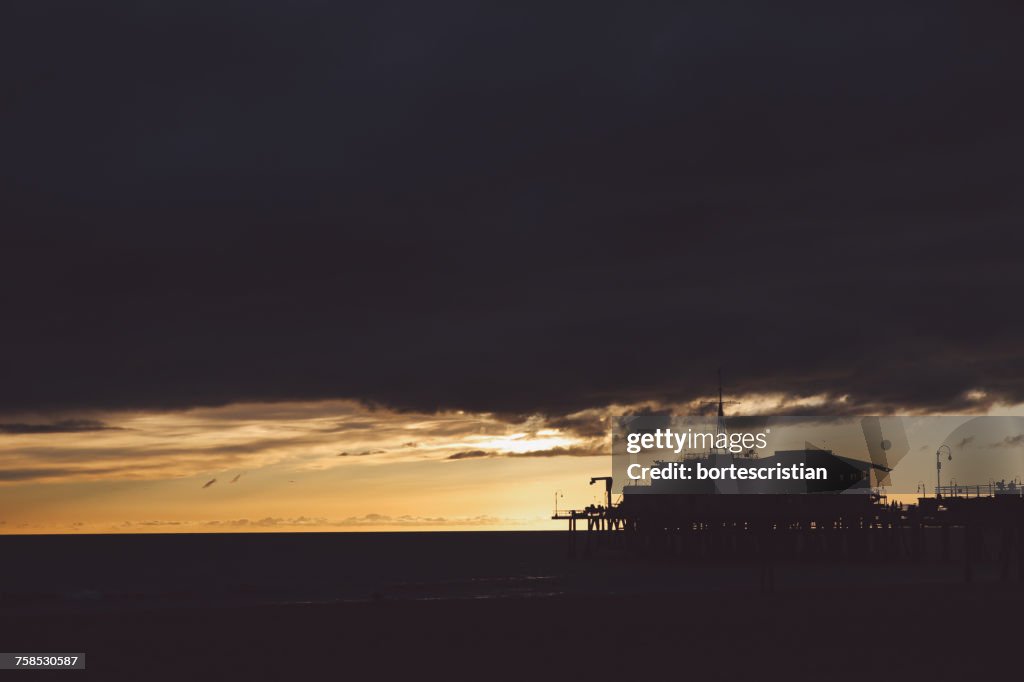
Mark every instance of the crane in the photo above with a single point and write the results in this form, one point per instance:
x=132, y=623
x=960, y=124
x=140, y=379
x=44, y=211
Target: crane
x=607, y=487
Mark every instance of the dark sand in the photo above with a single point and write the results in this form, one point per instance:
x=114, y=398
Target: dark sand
x=462, y=615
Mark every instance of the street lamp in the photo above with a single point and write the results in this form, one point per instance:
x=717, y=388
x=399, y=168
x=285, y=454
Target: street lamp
x=938, y=467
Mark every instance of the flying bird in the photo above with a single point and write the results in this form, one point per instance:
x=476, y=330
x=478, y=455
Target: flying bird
x=235, y=479
x=209, y=483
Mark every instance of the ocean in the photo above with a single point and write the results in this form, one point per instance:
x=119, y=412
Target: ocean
x=176, y=570
x=484, y=605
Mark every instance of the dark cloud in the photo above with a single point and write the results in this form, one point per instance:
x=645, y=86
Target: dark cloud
x=510, y=209
x=364, y=453
x=64, y=426
x=355, y=425
x=561, y=452
x=586, y=426
x=551, y=452
x=1010, y=441
x=209, y=483
x=471, y=454
x=49, y=473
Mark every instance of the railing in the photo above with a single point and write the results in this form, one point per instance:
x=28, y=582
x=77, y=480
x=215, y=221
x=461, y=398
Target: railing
x=578, y=513
x=980, y=490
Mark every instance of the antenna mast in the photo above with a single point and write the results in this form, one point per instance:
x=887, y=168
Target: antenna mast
x=720, y=426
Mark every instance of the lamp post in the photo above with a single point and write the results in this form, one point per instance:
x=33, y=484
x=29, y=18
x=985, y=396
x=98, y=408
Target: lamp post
x=938, y=467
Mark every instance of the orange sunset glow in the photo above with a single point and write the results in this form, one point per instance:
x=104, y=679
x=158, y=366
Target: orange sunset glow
x=311, y=466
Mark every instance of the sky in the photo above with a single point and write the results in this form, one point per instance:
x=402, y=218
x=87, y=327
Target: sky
x=240, y=239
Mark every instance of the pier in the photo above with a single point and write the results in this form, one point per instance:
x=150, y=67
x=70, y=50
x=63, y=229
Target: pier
x=973, y=525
